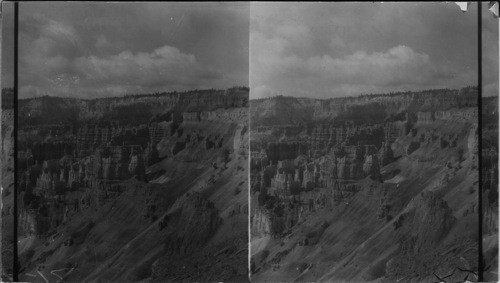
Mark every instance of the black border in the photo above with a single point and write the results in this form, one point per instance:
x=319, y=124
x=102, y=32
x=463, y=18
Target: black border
x=480, y=258
x=15, y=267
x=479, y=105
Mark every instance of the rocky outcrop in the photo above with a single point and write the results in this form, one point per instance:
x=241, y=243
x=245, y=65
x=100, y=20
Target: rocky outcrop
x=394, y=130
x=231, y=115
x=343, y=163
x=348, y=142
x=57, y=110
x=118, y=162
x=137, y=166
x=324, y=137
x=424, y=228
x=431, y=221
x=348, y=169
x=265, y=111
x=89, y=137
x=189, y=227
x=151, y=154
x=464, y=114
x=386, y=154
x=344, y=191
x=261, y=222
x=353, y=163
x=414, y=145
x=191, y=117
x=425, y=117
x=194, y=219
x=111, y=140
x=158, y=131
x=371, y=166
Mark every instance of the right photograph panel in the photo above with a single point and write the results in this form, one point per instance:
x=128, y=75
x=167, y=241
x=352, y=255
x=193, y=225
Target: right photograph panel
x=364, y=142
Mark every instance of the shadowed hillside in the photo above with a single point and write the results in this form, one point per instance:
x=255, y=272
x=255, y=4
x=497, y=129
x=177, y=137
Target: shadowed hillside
x=373, y=188
x=134, y=188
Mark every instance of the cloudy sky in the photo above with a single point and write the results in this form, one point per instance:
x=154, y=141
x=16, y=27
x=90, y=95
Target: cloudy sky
x=301, y=49
x=336, y=49
x=105, y=49
x=7, y=38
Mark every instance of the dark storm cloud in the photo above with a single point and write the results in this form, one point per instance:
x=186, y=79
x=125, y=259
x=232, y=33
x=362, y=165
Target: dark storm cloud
x=102, y=49
x=338, y=49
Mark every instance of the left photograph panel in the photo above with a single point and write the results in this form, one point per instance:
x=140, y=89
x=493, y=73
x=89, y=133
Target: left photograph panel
x=132, y=142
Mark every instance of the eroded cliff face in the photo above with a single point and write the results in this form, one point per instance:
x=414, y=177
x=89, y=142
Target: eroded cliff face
x=132, y=180
x=133, y=109
x=288, y=110
x=366, y=189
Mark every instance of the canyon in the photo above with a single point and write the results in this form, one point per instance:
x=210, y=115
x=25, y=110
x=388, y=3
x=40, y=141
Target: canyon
x=376, y=188
x=143, y=187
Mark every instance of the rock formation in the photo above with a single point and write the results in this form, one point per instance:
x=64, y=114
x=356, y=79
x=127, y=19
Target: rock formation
x=90, y=167
x=373, y=167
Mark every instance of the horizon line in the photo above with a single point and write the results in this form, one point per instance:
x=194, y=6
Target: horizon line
x=132, y=95
x=364, y=94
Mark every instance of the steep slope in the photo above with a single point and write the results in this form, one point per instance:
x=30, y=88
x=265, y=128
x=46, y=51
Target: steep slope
x=152, y=210
x=358, y=245
x=404, y=208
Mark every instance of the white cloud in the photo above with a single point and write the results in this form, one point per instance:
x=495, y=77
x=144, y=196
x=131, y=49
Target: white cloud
x=326, y=49
x=58, y=31
x=163, y=66
x=115, y=49
x=360, y=72
x=399, y=65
